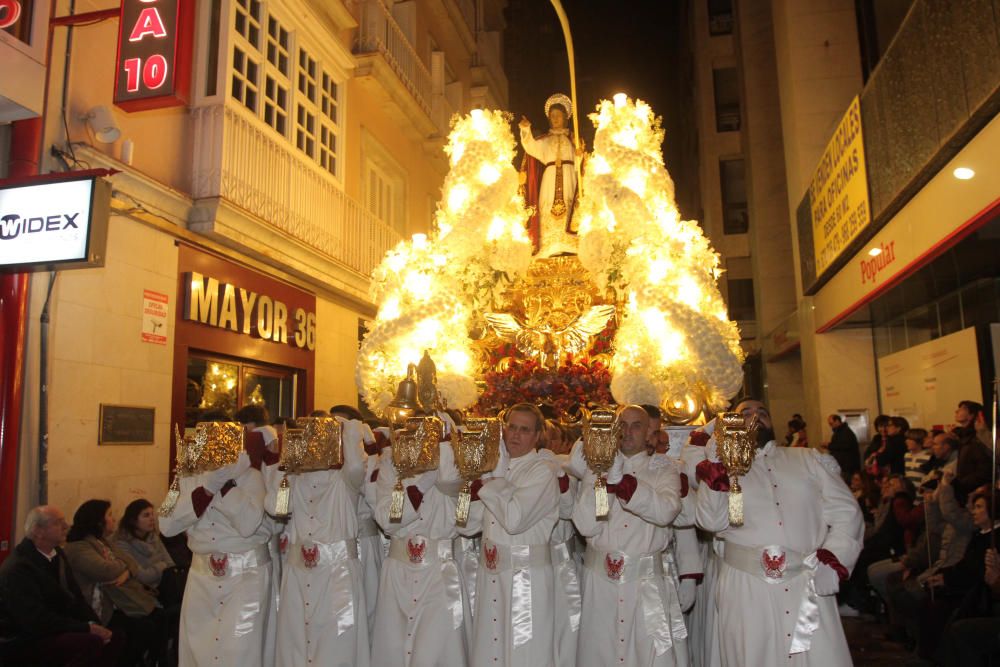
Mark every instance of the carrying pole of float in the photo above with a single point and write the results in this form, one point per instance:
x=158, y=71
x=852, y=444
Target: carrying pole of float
x=564, y=22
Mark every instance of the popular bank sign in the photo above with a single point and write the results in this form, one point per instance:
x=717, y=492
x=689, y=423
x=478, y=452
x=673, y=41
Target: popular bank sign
x=154, y=54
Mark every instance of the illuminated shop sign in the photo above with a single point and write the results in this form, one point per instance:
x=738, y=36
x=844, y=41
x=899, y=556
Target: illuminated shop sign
x=154, y=54
x=838, y=192
x=227, y=306
x=49, y=225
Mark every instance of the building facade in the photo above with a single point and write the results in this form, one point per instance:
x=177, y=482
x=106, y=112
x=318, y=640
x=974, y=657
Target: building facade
x=887, y=302
x=245, y=221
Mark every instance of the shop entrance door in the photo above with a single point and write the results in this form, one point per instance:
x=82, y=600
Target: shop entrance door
x=223, y=384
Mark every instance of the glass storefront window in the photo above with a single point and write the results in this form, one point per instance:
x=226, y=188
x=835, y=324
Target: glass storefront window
x=225, y=385
x=979, y=303
x=271, y=388
x=950, y=314
x=921, y=325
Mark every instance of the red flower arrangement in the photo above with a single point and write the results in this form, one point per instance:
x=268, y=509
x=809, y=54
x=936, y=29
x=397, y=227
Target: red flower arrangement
x=576, y=382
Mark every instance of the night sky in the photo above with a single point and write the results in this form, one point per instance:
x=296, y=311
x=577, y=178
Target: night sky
x=637, y=47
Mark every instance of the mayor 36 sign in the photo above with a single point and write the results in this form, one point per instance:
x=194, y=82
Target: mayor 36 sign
x=154, y=54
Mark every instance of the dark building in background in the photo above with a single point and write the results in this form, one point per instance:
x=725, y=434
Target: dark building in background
x=641, y=48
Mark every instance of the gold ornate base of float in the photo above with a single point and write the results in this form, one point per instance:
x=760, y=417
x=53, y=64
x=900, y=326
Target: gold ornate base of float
x=554, y=311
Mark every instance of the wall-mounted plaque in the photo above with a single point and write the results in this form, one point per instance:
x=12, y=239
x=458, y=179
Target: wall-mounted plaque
x=126, y=425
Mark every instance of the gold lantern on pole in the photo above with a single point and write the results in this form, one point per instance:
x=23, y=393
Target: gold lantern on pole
x=601, y=434
x=477, y=452
x=736, y=444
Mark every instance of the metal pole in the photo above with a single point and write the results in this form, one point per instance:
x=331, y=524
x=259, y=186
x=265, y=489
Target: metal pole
x=564, y=22
x=993, y=447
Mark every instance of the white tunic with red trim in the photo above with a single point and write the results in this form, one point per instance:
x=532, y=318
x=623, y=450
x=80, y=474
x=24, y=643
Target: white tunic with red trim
x=322, y=619
x=793, y=507
x=371, y=551
x=703, y=648
x=568, y=600
x=228, y=588
x=422, y=607
x=631, y=615
x=514, y=620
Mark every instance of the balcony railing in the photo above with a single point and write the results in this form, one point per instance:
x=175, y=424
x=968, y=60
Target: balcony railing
x=378, y=32
x=241, y=160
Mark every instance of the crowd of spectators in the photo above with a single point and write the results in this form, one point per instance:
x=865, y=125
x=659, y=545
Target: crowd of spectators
x=93, y=592
x=929, y=567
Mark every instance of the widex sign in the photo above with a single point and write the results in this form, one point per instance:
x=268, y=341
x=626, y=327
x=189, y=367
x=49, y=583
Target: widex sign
x=54, y=224
x=154, y=54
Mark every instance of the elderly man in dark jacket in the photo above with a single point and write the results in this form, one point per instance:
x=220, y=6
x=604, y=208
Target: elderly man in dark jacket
x=45, y=620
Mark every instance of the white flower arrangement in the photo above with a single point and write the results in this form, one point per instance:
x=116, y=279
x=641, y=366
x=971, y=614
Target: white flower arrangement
x=675, y=344
x=427, y=288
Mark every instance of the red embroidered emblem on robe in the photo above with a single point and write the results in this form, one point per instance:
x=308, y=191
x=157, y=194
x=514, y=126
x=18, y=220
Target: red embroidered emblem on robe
x=492, y=556
x=614, y=567
x=219, y=564
x=283, y=543
x=773, y=562
x=310, y=556
x=415, y=550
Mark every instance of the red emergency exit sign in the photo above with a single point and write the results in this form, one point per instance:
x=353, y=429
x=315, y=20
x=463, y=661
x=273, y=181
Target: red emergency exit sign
x=154, y=54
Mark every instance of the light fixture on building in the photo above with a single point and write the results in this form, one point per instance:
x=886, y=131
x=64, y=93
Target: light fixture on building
x=963, y=173
x=102, y=124
x=875, y=252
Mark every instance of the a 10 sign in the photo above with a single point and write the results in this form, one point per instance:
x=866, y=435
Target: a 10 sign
x=154, y=54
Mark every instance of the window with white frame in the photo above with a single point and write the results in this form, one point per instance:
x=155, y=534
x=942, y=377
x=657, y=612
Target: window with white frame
x=383, y=184
x=282, y=81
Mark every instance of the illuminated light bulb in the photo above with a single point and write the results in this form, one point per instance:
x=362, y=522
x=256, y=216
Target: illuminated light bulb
x=420, y=241
x=489, y=174
x=408, y=356
x=635, y=180
x=688, y=292
x=875, y=252
x=658, y=269
x=457, y=361
x=599, y=165
x=457, y=151
x=389, y=309
x=476, y=114
x=417, y=283
x=396, y=262
x=621, y=99
x=427, y=330
x=496, y=230
x=458, y=197
x=963, y=173
x=444, y=229
x=626, y=137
